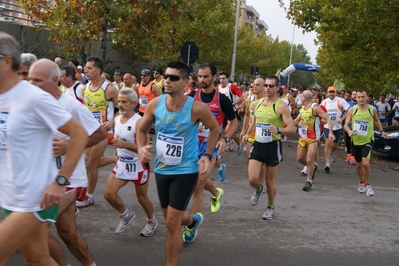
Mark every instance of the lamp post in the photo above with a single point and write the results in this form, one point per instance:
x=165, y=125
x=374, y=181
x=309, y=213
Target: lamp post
x=233, y=60
x=292, y=47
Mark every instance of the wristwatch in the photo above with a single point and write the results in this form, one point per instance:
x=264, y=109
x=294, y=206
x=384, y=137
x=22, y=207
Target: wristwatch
x=62, y=180
x=208, y=155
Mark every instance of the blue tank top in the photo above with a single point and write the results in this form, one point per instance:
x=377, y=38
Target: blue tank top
x=176, y=139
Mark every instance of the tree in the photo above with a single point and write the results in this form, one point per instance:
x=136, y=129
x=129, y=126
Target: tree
x=358, y=40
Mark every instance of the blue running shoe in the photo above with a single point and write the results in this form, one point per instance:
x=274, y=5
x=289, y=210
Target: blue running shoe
x=222, y=175
x=190, y=234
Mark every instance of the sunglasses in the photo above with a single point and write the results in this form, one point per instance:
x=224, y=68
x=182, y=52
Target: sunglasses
x=331, y=91
x=172, y=77
x=156, y=73
x=144, y=75
x=270, y=86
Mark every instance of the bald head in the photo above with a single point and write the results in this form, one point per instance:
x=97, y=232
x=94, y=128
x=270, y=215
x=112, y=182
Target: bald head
x=308, y=94
x=127, y=78
x=45, y=74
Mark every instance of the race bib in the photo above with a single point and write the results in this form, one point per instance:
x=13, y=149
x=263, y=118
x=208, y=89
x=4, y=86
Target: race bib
x=169, y=149
x=361, y=127
x=128, y=168
x=263, y=134
x=143, y=100
x=333, y=116
x=303, y=131
x=97, y=115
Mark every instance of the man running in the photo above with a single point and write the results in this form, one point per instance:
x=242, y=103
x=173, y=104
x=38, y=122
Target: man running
x=363, y=118
x=176, y=162
x=270, y=113
x=31, y=187
x=128, y=167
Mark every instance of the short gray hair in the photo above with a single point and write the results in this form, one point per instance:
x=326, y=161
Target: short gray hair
x=27, y=59
x=132, y=95
x=9, y=46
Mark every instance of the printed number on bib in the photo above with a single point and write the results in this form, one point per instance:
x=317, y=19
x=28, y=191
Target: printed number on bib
x=97, y=115
x=169, y=149
x=128, y=168
x=262, y=133
x=361, y=127
x=333, y=116
x=143, y=101
x=303, y=131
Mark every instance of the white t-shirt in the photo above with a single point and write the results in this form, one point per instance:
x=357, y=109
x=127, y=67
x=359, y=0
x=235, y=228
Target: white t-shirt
x=84, y=116
x=335, y=108
x=383, y=109
x=79, y=89
x=397, y=109
x=28, y=119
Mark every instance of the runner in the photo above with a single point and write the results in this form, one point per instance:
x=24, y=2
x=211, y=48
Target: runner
x=176, y=161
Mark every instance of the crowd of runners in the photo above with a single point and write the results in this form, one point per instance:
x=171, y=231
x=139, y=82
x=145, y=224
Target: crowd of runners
x=56, y=122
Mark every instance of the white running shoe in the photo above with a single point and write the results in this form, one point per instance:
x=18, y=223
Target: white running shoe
x=304, y=170
x=149, y=228
x=369, y=191
x=124, y=222
x=361, y=189
x=85, y=203
x=268, y=215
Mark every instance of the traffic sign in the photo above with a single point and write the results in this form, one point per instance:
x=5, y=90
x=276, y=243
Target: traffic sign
x=189, y=53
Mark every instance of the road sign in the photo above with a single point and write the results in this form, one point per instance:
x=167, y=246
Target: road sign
x=189, y=52
x=255, y=70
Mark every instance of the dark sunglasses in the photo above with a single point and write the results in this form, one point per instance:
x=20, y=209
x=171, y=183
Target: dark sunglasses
x=331, y=91
x=172, y=77
x=156, y=73
x=270, y=86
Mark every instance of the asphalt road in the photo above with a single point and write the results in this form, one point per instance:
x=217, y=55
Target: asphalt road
x=331, y=225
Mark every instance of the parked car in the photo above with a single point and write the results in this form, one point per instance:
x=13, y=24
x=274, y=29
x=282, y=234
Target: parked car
x=390, y=145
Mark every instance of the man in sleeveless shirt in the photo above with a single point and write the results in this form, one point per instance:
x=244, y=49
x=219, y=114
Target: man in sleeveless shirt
x=147, y=90
x=308, y=122
x=176, y=162
x=363, y=118
x=270, y=113
x=100, y=97
x=128, y=167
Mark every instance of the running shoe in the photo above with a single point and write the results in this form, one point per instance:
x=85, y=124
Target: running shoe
x=304, y=171
x=327, y=168
x=316, y=166
x=285, y=138
x=77, y=211
x=268, y=215
x=149, y=228
x=221, y=172
x=361, y=189
x=190, y=234
x=307, y=187
x=124, y=221
x=348, y=157
x=255, y=198
x=220, y=158
x=352, y=160
x=263, y=190
x=239, y=149
x=369, y=191
x=215, y=204
x=88, y=201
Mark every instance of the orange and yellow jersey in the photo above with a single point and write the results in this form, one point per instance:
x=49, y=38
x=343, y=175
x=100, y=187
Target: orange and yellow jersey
x=145, y=95
x=309, y=127
x=251, y=137
x=97, y=103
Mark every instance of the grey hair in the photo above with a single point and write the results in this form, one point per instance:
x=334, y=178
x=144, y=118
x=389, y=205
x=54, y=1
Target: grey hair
x=9, y=46
x=27, y=59
x=132, y=95
x=58, y=59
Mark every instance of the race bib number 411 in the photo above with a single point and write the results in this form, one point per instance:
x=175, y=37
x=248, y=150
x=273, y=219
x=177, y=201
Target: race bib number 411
x=169, y=149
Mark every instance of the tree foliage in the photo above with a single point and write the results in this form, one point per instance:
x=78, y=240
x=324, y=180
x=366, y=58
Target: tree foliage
x=358, y=39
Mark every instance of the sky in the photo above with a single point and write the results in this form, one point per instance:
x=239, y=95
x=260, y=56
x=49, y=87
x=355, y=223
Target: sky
x=275, y=17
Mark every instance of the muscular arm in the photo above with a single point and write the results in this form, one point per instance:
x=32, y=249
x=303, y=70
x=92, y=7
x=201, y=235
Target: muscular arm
x=324, y=117
x=155, y=90
x=97, y=136
x=245, y=123
x=285, y=113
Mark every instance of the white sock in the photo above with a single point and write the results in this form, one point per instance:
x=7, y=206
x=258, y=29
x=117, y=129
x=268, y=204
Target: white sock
x=89, y=195
x=221, y=167
x=125, y=212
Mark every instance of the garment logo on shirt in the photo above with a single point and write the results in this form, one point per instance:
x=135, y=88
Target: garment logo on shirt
x=129, y=128
x=3, y=130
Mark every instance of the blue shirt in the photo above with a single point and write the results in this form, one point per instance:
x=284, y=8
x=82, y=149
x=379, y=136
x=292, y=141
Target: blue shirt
x=176, y=139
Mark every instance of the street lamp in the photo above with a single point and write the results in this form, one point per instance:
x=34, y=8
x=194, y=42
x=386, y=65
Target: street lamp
x=233, y=60
x=292, y=47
